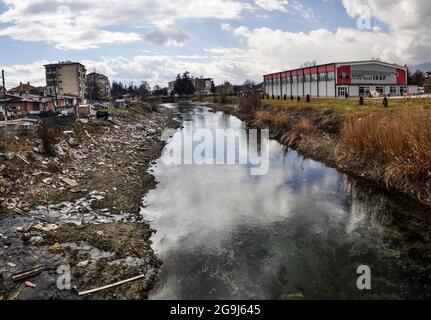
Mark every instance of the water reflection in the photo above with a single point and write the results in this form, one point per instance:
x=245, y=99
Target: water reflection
x=298, y=232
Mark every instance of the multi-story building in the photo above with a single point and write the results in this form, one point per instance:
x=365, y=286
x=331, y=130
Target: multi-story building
x=427, y=84
x=66, y=78
x=203, y=86
x=98, y=87
x=361, y=78
x=171, y=88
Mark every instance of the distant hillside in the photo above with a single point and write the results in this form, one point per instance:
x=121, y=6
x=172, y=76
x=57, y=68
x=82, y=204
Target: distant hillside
x=425, y=67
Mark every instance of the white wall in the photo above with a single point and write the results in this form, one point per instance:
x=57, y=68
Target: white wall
x=413, y=89
x=314, y=89
x=322, y=89
x=300, y=89
x=331, y=88
x=307, y=89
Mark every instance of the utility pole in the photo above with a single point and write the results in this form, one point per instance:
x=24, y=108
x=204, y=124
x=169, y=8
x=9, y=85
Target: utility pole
x=4, y=98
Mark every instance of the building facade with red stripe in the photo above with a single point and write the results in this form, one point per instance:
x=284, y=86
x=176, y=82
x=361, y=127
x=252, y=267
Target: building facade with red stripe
x=360, y=78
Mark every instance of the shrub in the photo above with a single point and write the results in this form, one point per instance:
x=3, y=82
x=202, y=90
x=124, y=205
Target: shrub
x=249, y=104
x=222, y=99
x=49, y=138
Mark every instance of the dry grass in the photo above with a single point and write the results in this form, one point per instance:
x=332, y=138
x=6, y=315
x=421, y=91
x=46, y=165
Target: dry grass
x=281, y=120
x=398, y=144
x=305, y=126
x=263, y=118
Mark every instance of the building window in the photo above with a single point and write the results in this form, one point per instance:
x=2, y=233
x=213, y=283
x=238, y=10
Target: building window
x=342, y=91
x=307, y=78
x=314, y=77
x=364, y=91
x=394, y=91
x=322, y=76
x=380, y=90
x=331, y=76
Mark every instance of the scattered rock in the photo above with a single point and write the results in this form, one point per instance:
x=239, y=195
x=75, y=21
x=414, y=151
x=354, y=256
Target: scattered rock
x=83, y=264
x=46, y=227
x=35, y=240
x=70, y=182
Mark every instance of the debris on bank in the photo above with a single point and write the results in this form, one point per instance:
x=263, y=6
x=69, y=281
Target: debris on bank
x=72, y=198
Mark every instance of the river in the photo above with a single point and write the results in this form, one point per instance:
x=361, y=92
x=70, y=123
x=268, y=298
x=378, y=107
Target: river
x=298, y=232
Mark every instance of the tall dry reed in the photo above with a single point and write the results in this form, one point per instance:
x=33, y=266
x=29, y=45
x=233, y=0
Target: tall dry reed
x=399, y=144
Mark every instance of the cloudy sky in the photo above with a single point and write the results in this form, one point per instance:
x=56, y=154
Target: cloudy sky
x=230, y=40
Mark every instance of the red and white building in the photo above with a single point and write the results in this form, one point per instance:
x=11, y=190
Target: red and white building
x=361, y=78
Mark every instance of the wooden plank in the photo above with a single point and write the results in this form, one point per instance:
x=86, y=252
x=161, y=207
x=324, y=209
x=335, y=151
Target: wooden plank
x=21, y=275
x=111, y=285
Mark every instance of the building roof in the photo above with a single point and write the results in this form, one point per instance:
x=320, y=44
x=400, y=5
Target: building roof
x=63, y=63
x=97, y=74
x=344, y=63
x=23, y=87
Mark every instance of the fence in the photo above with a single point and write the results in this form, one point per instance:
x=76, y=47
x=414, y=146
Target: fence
x=18, y=128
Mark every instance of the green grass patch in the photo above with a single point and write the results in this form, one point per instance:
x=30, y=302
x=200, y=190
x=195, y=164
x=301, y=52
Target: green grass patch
x=352, y=104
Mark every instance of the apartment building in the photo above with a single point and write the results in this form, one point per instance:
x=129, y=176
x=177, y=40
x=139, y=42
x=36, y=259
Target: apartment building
x=203, y=86
x=66, y=78
x=98, y=87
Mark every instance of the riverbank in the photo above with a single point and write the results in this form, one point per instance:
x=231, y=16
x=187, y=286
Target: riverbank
x=80, y=207
x=389, y=146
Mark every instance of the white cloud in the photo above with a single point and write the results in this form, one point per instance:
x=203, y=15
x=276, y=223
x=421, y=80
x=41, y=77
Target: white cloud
x=241, y=32
x=83, y=24
x=272, y=5
x=265, y=50
x=226, y=27
x=33, y=73
x=408, y=22
x=306, y=12
x=294, y=7
x=170, y=36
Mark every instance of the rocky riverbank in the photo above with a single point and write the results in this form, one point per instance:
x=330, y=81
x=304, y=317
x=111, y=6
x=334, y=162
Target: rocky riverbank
x=79, y=208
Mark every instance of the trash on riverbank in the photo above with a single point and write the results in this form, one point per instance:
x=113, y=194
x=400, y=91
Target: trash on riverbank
x=87, y=193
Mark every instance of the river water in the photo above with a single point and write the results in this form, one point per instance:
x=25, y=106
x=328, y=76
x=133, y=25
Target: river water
x=298, y=232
